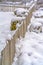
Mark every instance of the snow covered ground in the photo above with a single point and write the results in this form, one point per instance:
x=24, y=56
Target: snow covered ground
x=5, y=23
x=4, y=27
x=5, y=17
x=29, y=50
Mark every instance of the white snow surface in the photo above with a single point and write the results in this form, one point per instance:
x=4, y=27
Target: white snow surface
x=29, y=50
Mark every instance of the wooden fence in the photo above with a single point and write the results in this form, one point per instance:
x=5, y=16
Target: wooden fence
x=8, y=52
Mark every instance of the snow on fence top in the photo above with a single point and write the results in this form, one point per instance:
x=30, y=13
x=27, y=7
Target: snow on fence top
x=21, y=10
x=18, y=18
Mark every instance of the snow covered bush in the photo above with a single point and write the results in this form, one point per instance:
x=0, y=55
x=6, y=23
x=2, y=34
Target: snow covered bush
x=20, y=12
x=15, y=23
x=35, y=27
x=38, y=14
